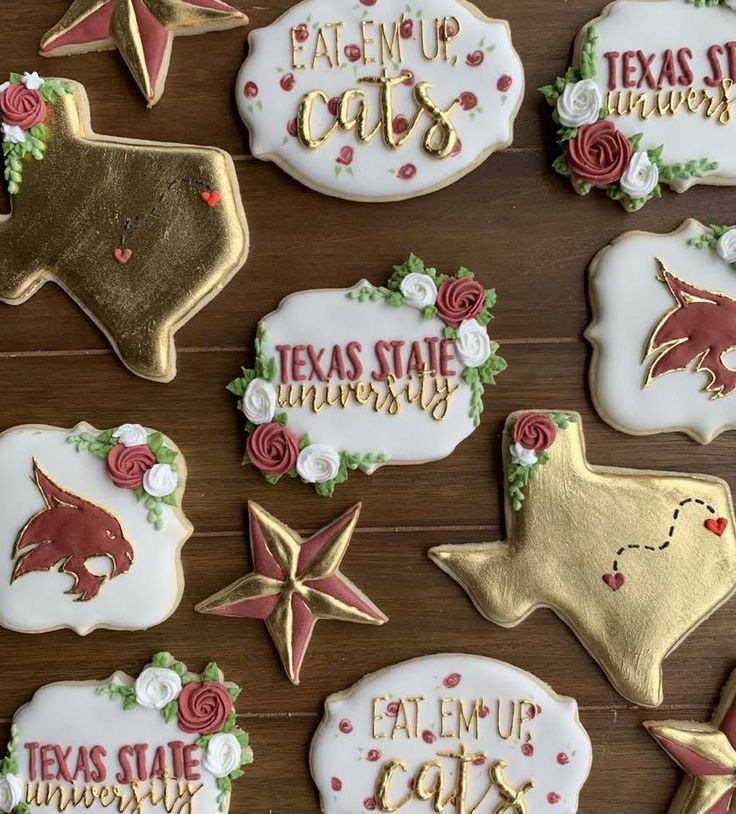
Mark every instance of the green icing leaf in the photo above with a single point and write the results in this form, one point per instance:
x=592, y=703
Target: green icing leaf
x=170, y=711
x=211, y=672
x=588, y=55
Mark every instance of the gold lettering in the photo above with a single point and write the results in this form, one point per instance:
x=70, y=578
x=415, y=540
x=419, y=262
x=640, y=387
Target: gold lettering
x=382, y=787
x=391, y=49
x=378, y=716
x=366, y=41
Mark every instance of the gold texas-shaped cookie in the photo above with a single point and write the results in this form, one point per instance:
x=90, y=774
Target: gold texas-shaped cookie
x=631, y=560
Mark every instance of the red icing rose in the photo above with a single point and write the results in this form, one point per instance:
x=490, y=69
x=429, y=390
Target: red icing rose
x=332, y=105
x=301, y=32
x=291, y=128
x=127, y=465
x=599, y=154
x=479, y=761
x=458, y=299
x=504, y=83
x=452, y=680
x=400, y=124
x=408, y=77
x=484, y=712
x=203, y=708
x=407, y=172
x=369, y=804
x=352, y=52
x=527, y=750
x=273, y=449
x=336, y=784
x=468, y=100
x=553, y=797
x=250, y=90
x=536, y=432
x=406, y=29
x=448, y=30
x=287, y=81
x=345, y=726
x=563, y=759
x=392, y=709
x=22, y=107
x=428, y=736
x=373, y=755
x=345, y=157
x=474, y=59
x=368, y=2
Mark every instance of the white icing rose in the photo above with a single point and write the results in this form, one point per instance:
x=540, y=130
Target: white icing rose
x=156, y=687
x=640, y=177
x=318, y=463
x=579, y=104
x=223, y=755
x=731, y=4
x=259, y=401
x=32, y=80
x=727, y=245
x=13, y=134
x=522, y=456
x=160, y=480
x=472, y=345
x=11, y=792
x=419, y=290
x=131, y=435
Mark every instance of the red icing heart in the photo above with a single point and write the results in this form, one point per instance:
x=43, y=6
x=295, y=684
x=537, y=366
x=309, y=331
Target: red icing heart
x=210, y=198
x=716, y=527
x=614, y=581
x=123, y=255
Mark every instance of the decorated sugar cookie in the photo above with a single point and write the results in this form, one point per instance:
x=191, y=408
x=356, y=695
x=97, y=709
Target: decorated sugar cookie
x=165, y=228
x=294, y=584
x=358, y=378
x=707, y=753
x=143, y=32
x=380, y=101
x=165, y=741
x=450, y=732
x=664, y=307
x=648, y=101
x=632, y=560
x=91, y=528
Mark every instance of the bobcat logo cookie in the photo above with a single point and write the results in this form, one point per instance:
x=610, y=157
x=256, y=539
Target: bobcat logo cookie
x=649, y=100
x=358, y=378
x=165, y=741
x=379, y=101
x=165, y=227
x=401, y=739
x=90, y=522
x=603, y=547
x=664, y=309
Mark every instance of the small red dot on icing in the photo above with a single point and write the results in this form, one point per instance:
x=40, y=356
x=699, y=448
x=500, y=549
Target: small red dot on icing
x=336, y=784
x=428, y=736
x=452, y=680
x=345, y=726
x=563, y=758
x=373, y=755
x=553, y=798
x=527, y=750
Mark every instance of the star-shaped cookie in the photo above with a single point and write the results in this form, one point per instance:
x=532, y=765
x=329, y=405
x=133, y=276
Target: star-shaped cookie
x=294, y=583
x=707, y=752
x=142, y=30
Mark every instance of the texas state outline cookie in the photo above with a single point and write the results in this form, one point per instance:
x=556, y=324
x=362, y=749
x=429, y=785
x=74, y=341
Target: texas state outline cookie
x=164, y=232
x=166, y=740
x=91, y=528
x=663, y=310
x=143, y=32
x=377, y=100
x=362, y=377
x=631, y=560
x=446, y=732
x=648, y=101
x=707, y=753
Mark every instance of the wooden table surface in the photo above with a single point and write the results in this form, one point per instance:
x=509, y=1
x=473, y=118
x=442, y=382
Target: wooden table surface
x=522, y=230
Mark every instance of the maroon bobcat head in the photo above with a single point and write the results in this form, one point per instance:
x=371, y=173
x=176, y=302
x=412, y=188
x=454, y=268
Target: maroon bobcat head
x=69, y=531
x=701, y=329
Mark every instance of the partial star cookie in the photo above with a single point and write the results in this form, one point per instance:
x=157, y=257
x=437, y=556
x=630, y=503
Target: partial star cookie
x=294, y=583
x=707, y=752
x=142, y=30
x=631, y=560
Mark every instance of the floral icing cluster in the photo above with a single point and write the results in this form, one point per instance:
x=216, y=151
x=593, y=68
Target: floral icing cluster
x=720, y=238
x=11, y=786
x=595, y=153
x=463, y=304
x=703, y=3
x=139, y=461
x=200, y=704
x=531, y=435
x=24, y=101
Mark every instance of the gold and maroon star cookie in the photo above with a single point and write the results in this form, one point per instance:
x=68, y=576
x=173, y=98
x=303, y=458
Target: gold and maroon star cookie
x=142, y=30
x=294, y=583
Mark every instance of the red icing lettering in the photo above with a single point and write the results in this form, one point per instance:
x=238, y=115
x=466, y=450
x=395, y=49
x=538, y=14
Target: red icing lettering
x=714, y=54
x=298, y=362
x=283, y=351
x=397, y=345
x=432, y=343
x=140, y=760
x=646, y=68
x=668, y=73
x=416, y=359
x=62, y=756
x=126, y=775
x=159, y=763
x=612, y=57
x=47, y=761
x=32, y=748
x=446, y=357
x=98, y=755
x=315, y=360
x=382, y=347
x=82, y=765
x=686, y=78
x=337, y=365
x=629, y=69
x=731, y=51
x=190, y=763
x=177, y=753
x=354, y=350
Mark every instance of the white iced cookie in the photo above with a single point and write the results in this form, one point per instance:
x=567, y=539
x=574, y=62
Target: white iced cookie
x=394, y=741
x=380, y=101
x=356, y=378
x=91, y=528
x=663, y=331
x=92, y=744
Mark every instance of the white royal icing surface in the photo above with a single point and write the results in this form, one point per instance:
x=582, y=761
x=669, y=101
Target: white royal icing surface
x=73, y=715
x=325, y=318
x=653, y=27
x=629, y=301
x=373, y=171
x=37, y=602
x=553, y=750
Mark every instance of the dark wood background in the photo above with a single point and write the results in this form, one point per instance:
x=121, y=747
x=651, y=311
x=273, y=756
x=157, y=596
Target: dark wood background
x=522, y=230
